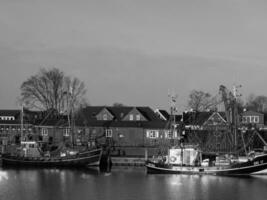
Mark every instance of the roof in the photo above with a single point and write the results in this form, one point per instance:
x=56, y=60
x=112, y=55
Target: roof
x=162, y=114
x=127, y=124
x=90, y=112
x=250, y=112
x=87, y=117
x=199, y=118
x=10, y=112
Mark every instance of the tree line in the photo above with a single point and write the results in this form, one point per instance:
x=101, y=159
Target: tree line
x=202, y=101
x=53, y=89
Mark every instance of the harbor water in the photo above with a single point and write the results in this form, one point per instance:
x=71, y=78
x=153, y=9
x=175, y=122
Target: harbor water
x=124, y=184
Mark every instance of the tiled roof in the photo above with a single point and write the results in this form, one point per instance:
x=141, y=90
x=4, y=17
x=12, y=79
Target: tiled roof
x=198, y=118
x=164, y=113
x=132, y=124
x=89, y=113
x=10, y=113
x=87, y=117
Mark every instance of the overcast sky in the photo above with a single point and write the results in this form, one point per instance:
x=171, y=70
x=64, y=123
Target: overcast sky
x=134, y=51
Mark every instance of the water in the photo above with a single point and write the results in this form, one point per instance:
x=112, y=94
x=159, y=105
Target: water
x=124, y=184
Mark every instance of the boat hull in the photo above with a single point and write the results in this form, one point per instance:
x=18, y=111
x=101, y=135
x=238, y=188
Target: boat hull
x=247, y=168
x=83, y=159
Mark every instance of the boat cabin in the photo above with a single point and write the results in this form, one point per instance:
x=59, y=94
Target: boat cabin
x=30, y=149
x=184, y=156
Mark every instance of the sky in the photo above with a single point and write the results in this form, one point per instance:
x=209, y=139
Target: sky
x=135, y=52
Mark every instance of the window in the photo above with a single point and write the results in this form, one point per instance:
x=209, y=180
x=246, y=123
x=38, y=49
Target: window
x=7, y=118
x=250, y=119
x=66, y=132
x=257, y=119
x=131, y=117
x=138, y=117
x=108, y=133
x=105, y=116
x=44, y=132
x=168, y=134
x=152, y=134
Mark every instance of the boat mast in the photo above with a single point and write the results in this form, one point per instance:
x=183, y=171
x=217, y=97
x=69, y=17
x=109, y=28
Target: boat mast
x=173, y=110
x=236, y=94
x=21, y=123
x=70, y=112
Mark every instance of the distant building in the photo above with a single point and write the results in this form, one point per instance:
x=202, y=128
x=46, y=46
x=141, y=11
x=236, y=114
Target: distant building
x=252, y=118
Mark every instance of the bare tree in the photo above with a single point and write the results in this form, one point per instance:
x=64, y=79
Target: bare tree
x=200, y=101
x=257, y=103
x=74, y=92
x=51, y=89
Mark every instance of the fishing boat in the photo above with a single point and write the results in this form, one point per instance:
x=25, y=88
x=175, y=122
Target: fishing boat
x=190, y=159
x=187, y=160
x=30, y=154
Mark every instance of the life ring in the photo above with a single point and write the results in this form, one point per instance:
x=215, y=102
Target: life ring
x=173, y=159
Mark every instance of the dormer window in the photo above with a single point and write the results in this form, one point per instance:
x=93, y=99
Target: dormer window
x=131, y=117
x=105, y=116
x=138, y=117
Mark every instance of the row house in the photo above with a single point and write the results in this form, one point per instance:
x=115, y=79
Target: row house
x=130, y=126
x=11, y=126
x=127, y=128
x=122, y=126
x=39, y=126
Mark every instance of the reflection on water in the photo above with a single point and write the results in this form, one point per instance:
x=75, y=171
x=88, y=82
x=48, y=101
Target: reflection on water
x=124, y=184
x=3, y=175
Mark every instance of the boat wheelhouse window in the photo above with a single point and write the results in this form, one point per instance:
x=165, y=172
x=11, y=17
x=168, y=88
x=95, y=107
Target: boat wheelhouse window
x=152, y=134
x=108, y=133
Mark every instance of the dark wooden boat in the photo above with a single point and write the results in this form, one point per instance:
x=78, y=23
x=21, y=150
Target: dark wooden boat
x=82, y=159
x=31, y=158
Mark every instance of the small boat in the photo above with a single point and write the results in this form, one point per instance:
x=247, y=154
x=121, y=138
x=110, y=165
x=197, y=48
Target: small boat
x=187, y=160
x=30, y=155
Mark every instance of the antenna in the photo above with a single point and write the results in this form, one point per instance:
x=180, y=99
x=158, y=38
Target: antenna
x=236, y=92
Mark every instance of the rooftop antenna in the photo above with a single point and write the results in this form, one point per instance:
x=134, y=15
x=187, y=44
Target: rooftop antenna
x=236, y=92
x=236, y=95
x=173, y=97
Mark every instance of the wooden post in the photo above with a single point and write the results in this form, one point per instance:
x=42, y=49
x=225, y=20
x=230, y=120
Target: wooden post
x=146, y=154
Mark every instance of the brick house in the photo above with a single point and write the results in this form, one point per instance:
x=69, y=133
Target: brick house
x=127, y=127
